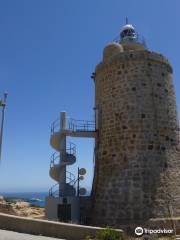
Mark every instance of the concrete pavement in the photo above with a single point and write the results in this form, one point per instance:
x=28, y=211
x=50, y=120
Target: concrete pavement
x=8, y=235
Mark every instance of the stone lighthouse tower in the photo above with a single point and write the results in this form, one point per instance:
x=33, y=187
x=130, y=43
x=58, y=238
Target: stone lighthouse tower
x=137, y=163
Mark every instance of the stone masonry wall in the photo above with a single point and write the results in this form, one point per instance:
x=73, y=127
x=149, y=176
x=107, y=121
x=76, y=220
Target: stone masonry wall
x=137, y=168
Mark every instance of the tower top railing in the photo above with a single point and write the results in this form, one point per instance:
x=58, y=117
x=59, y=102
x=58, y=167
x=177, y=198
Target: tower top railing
x=138, y=39
x=74, y=125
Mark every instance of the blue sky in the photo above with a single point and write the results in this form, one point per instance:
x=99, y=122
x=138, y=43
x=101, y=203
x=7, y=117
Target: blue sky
x=48, y=50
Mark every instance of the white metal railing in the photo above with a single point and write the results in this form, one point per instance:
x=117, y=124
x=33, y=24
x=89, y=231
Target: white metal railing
x=138, y=39
x=81, y=125
x=74, y=125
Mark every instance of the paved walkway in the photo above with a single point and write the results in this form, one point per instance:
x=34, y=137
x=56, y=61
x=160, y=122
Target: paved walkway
x=8, y=235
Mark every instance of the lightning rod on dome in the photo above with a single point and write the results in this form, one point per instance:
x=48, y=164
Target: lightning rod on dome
x=126, y=20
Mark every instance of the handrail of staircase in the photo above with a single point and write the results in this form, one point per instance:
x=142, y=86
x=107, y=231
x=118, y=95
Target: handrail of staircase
x=51, y=193
x=71, y=180
x=55, y=124
x=55, y=158
x=71, y=149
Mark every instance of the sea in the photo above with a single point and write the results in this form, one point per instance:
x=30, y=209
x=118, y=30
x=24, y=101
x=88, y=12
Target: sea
x=34, y=198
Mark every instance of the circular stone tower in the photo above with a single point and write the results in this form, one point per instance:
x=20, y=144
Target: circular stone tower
x=137, y=158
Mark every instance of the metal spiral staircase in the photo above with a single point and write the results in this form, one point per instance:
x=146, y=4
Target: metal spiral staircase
x=58, y=164
x=66, y=155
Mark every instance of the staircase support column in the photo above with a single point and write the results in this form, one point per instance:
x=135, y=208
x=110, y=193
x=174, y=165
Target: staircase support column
x=62, y=179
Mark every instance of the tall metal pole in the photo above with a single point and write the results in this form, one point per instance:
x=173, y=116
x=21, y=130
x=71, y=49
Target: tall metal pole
x=3, y=105
x=78, y=183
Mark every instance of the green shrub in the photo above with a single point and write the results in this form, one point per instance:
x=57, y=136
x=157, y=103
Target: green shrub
x=88, y=238
x=108, y=234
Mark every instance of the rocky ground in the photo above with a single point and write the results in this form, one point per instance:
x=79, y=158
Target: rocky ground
x=20, y=208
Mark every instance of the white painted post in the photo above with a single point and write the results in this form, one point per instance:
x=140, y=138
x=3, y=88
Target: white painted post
x=63, y=120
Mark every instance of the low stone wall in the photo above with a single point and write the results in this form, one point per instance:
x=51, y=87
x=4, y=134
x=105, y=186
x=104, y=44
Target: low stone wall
x=47, y=228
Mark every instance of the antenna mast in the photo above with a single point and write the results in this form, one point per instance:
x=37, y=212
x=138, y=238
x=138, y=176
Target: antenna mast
x=3, y=105
x=126, y=20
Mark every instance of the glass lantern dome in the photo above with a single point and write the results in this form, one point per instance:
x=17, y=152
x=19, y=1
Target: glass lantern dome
x=128, y=34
